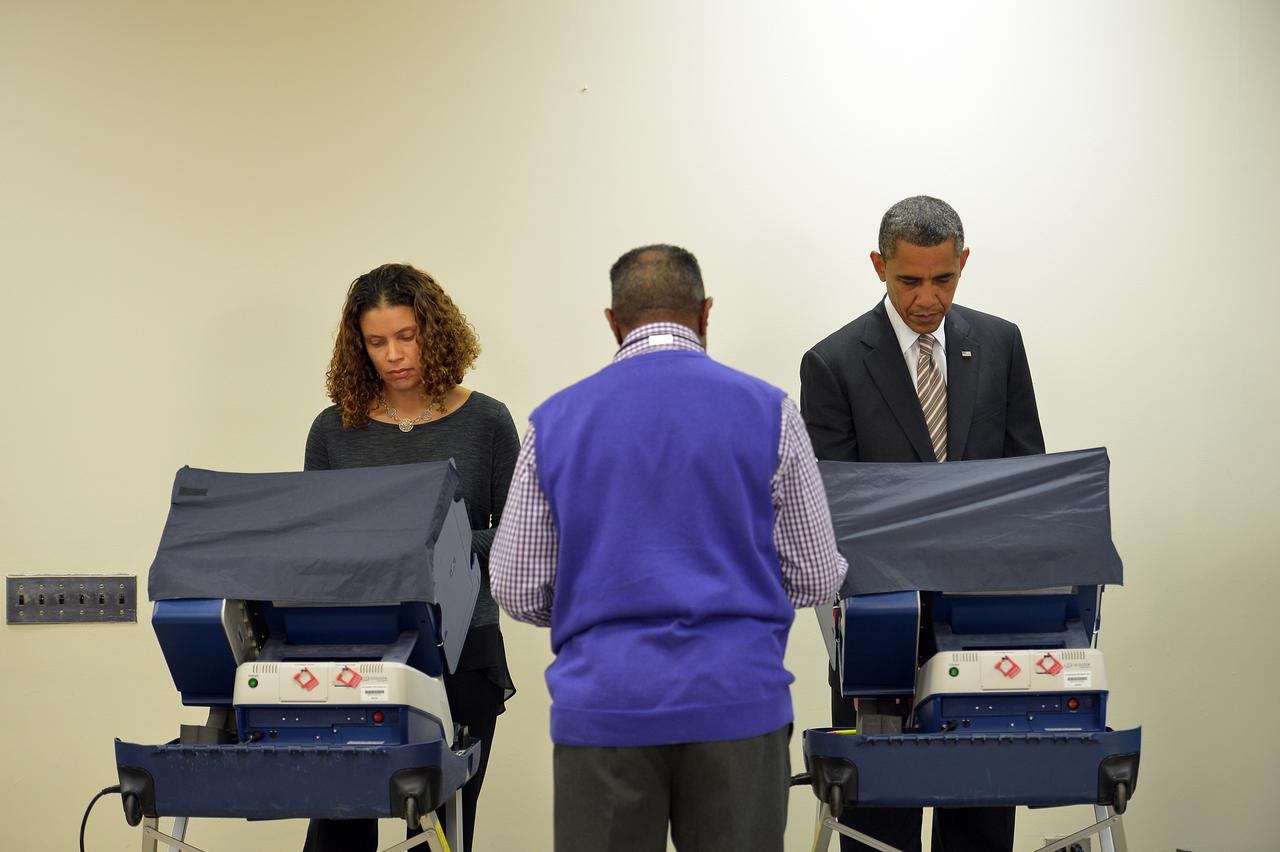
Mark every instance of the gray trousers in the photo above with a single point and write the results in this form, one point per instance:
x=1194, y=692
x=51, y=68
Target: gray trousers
x=728, y=796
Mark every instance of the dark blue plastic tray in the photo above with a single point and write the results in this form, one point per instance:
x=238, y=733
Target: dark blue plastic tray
x=971, y=770
x=256, y=781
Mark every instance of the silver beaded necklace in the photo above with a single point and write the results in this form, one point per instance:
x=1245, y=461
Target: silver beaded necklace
x=406, y=424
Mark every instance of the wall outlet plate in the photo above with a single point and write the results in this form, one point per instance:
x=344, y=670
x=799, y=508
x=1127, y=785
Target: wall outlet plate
x=71, y=598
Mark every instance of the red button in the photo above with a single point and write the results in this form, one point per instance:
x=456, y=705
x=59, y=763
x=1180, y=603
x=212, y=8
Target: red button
x=1073, y=703
x=378, y=717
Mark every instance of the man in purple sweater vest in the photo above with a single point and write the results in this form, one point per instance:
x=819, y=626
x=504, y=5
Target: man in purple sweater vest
x=665, y=519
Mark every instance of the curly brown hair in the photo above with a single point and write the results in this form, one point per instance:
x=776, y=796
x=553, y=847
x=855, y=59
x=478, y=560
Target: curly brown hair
x=446, y=340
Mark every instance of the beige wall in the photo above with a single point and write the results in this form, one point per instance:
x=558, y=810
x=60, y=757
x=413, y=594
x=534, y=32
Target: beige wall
x=186, y=189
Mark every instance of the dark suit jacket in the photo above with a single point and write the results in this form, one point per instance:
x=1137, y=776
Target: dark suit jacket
x=857, y=398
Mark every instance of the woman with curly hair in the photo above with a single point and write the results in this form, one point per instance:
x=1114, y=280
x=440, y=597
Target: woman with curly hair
x=400, y=355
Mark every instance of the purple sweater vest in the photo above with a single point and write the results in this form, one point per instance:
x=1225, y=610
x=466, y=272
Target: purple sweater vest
x=669, y=620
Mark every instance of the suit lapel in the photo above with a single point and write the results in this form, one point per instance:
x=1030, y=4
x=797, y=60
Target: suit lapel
x=889, y=371
x=962, y=382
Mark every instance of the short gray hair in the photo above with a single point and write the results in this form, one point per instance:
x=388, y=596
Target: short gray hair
x=922, y=221
x=656, y=282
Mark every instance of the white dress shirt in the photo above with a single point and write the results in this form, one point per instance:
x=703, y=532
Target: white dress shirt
x=910, y=342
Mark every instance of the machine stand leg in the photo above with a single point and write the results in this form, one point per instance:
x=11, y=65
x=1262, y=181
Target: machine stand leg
x=428, y=836
x=1102, y=828
x=1111, y=838
x=150, y=834
x=454, y=834
x=179, y=830
x=1109, y=828
x=827, y=824
x=433, y=837
x=821, y=834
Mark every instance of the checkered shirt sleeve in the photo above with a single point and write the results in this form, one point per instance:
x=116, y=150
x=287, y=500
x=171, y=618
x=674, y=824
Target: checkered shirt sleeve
x=522, y=561
x=812, y=567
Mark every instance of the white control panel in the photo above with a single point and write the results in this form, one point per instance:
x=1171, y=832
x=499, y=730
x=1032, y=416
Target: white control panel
x=967, y=672
x=342, y=684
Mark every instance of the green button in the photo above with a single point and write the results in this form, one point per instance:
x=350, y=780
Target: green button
x=253, y=683
x=953, y=671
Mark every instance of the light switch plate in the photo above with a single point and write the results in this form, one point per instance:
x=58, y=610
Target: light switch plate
x=71, y=598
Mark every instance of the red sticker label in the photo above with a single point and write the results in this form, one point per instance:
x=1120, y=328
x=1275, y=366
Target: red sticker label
x=1049, y=664
x=1008, y=667
x=349, y=677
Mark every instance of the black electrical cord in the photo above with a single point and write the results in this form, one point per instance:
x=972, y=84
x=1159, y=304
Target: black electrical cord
x=94, y=801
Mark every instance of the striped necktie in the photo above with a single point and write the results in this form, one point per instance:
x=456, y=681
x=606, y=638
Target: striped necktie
x=933, y=396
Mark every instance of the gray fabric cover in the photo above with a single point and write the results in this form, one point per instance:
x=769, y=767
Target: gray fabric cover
x=356, y=536
x=998, y=525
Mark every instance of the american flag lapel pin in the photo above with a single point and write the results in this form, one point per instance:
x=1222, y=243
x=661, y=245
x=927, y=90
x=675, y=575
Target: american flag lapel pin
x=965, y=353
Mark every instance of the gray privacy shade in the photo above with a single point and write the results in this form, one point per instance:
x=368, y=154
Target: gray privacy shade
x=353, y=536
x=1001, y=525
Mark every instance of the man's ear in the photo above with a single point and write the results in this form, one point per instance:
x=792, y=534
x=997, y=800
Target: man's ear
x=964, y=257
x=703, y=318
x=613, y=326
x=877, y=260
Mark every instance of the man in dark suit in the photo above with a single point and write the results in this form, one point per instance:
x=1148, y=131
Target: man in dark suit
x=920, y=379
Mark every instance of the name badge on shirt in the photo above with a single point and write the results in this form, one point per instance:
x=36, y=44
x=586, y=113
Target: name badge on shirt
x=661, y=339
